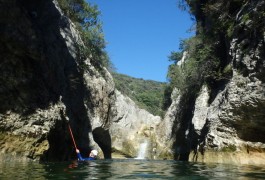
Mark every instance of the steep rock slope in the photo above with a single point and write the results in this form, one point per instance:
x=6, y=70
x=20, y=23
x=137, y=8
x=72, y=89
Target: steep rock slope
x=43, y=88
x=147, y=94
x=225, y=123
x=133, y=126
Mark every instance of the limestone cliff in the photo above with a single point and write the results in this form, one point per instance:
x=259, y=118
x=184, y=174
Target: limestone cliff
x=131, y=127
x=44, y=88
x=226, y=123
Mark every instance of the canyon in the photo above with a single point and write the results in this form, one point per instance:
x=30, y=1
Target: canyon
x=45, y=89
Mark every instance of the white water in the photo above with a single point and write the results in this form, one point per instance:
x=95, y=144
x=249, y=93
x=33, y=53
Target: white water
x=142, y=150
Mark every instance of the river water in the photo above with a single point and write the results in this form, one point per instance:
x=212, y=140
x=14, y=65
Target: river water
x=128, y=169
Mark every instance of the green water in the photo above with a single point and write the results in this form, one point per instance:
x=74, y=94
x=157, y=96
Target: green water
x=128, y=169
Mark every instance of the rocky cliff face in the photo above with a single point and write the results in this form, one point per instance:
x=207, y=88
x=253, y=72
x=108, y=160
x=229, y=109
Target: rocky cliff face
x=131, y=127
x=229, y=126
x=45, y=88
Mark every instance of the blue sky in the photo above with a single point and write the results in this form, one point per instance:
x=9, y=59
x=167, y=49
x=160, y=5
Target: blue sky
x=140, y=34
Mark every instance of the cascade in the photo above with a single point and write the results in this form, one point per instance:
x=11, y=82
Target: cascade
x=142, y=150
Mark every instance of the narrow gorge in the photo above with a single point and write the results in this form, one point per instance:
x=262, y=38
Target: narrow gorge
x=47, y=84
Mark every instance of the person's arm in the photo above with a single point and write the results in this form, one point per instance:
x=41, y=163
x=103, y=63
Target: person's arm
x=89, y=158
x=79, y=155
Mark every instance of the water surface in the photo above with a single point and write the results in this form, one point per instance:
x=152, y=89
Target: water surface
x=128, y=169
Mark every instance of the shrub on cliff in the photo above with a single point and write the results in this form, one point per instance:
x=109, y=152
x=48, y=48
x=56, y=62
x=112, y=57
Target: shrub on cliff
x=85, y=16
x=208, y=58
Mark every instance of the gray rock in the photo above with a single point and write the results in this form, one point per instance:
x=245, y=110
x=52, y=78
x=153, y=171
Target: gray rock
x=45, y=88
x=230, y=123
x=132, y=126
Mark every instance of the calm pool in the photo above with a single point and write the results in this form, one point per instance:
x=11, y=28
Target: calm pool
x=128, y=169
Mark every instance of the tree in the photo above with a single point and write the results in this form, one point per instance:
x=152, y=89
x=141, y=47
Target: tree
x=85, y=16
x=175, y=56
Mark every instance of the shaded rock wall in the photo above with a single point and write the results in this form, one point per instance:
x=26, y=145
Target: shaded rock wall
x=165, y=131
x=235, y=119
x=43, y=88
x=227, y=121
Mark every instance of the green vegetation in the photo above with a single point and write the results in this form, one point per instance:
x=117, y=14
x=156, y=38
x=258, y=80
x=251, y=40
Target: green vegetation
x=145, y=93
x=208, y=60
x=201, y=65
x=85, y=17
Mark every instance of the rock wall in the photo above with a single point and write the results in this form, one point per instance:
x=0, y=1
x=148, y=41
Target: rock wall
x=165, y=133
x=131, y=127
x=43, y=87
x=226, y=124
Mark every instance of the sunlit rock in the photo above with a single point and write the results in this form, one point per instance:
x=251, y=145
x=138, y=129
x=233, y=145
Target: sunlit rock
x=132, y=126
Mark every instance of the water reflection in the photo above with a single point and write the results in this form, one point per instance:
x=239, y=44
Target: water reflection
x=128, y=169
x=11, y=170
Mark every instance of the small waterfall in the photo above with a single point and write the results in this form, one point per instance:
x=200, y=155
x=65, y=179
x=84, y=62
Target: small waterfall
x=142, y=150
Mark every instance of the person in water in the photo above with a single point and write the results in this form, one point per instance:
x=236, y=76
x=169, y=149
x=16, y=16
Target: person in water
x=92, y=156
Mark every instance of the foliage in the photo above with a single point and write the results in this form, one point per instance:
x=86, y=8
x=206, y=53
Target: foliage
x=167, y=97
x=85, y=17
x=146, y=93
x=220, y=16
x=207, y=59
x=199, y=64
x=175, y=56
